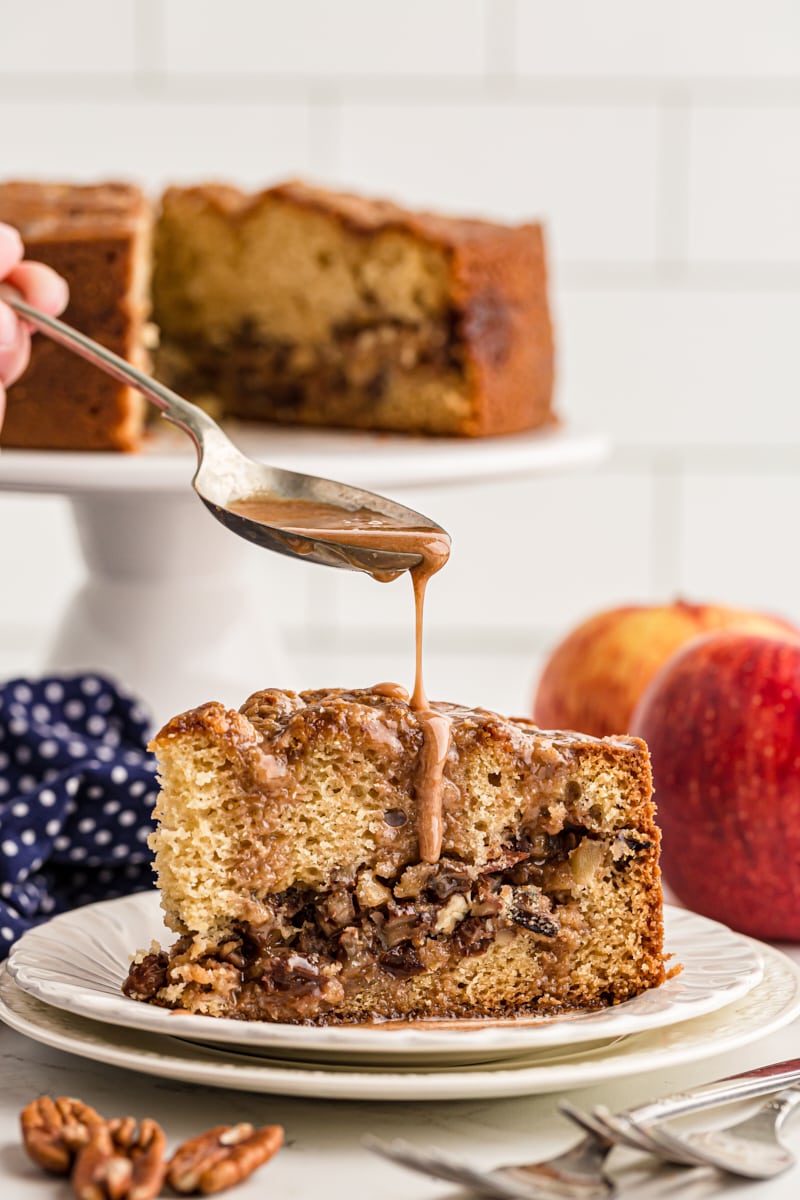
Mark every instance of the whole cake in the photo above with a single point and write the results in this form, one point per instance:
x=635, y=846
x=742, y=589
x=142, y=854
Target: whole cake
x=288, y=859
x=302, y=305
x=295, y=304
x=98, y=238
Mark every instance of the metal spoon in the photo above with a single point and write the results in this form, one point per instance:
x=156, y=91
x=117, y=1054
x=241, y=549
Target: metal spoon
x=224, y=474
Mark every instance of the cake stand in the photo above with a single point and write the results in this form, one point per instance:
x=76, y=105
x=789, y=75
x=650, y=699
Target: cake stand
x=172, y=604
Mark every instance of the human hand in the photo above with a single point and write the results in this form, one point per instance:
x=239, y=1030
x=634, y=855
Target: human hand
x=41, y=287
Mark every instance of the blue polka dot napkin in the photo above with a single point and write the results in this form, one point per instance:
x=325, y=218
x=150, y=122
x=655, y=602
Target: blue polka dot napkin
x=77, y=787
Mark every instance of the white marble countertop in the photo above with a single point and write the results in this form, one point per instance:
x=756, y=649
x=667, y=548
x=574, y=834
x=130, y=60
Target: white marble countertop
x=323, y=1157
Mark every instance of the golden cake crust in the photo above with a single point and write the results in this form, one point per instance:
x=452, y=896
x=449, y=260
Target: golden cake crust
x=360, y=214
x=45, y=210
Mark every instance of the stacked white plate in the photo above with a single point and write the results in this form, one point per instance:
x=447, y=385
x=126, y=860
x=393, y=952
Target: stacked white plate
x=61, y=986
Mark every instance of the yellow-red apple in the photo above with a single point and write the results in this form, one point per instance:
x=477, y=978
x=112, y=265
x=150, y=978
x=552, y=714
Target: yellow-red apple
x=594, y=677
x=722, y=720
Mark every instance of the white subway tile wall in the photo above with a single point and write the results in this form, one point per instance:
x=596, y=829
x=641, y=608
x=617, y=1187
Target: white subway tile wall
x=590, y=171
x=682, y=363
x=658, y=141
x=313, y=38
x=657, y=40
x=727, y=520
x=751, y=157
x=151, y=140
x=42, y=38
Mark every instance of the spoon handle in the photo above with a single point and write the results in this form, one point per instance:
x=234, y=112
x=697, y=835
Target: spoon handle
x=180, y=412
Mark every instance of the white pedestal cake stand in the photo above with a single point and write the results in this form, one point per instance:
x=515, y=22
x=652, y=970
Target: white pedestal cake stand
x=167, y=606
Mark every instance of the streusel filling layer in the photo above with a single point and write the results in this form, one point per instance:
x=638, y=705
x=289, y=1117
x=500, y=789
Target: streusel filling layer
x=318, y=948
x=355, y=373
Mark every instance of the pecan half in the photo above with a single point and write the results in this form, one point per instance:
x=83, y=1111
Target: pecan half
x=222, y=1157
x=53, y=1131
x=122, y=1161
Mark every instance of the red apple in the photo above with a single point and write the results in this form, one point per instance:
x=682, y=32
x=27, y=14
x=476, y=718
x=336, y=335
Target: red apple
x=722, y=720
x=594, y=677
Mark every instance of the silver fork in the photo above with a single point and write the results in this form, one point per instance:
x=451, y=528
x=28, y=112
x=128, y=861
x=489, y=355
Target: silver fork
x=751, y=1147
x=579, y=1171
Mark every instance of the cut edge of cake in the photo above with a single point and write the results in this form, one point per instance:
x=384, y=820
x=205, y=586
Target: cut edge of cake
x=98, y=236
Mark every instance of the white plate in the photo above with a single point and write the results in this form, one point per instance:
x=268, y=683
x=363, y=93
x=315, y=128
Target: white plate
x=772, y=1004
x=376, y=460
x=78, y=961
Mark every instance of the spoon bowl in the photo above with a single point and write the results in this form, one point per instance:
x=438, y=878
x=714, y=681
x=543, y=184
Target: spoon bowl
x=225, y=476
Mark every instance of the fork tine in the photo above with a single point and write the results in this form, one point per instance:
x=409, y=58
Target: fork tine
x=440, y=1167
x=620, y=1129
x=749, y=1148
x=675, y=1148
x=585, y=1120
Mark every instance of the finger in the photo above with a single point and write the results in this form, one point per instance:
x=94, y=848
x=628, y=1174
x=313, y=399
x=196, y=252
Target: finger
x=41, y=286
x=14, y=358
x=11, y=249
x=8, y=327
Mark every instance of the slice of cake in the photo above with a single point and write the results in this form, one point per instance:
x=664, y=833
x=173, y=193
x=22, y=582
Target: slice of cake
x=98, y=238
x=288, y=858
x=308, y=306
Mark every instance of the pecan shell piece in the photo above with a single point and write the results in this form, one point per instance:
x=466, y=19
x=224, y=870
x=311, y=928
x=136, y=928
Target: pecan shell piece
x=122, y=1161
x=54, y=1130
x=222, y=1157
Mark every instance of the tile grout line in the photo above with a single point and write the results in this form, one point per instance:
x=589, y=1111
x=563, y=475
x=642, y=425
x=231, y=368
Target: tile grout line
x=763, y=459
x=507, y=86
x=667, y=273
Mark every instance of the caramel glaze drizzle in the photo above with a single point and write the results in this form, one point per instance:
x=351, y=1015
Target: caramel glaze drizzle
x=366, y=528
